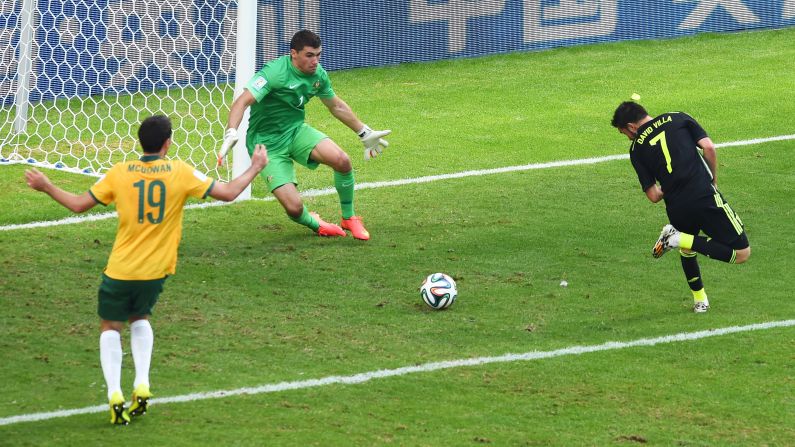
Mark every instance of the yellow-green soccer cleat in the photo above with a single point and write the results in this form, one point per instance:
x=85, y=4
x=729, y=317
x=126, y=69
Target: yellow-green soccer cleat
x=140, y=400
x=118, y=415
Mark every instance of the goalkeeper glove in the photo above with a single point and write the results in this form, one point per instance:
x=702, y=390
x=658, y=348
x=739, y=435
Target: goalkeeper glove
x=230, y=138
x=373, y=141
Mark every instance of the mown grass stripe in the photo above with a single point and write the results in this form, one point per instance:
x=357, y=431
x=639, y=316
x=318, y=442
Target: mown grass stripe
x=427, y=367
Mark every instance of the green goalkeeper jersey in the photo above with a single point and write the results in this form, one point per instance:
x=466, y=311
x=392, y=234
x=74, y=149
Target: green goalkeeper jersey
x=282, y=91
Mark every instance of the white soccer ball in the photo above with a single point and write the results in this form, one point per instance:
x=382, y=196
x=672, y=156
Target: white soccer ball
x=438, y=291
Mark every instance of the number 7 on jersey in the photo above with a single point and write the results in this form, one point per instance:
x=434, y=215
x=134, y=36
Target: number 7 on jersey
x=664, y=144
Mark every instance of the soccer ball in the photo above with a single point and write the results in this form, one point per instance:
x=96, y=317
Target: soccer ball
x=438, y=291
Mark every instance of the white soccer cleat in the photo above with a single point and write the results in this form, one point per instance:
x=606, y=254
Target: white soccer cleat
x=700, y=307
x=663, y=243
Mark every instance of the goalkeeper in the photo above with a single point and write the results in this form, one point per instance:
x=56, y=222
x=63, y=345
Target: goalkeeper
x=277, y=95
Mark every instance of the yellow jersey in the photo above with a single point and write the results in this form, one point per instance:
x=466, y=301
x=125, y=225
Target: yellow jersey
x=150, y=194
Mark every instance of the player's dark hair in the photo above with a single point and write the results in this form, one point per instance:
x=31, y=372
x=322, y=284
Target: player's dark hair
x=628, y=112
x=154, y=132
x=304, y=38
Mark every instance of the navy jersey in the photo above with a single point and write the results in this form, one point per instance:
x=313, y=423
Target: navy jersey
x=665, y=151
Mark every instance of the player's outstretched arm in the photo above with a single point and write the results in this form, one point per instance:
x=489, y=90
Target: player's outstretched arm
x=238, y=108
x=229, y=191
x=343, y=112
x=373, y=140
x=710, y=156
x=236, y=112
x=76, y=203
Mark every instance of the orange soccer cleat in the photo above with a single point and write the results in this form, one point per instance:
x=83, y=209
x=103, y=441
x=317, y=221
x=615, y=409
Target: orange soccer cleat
x=356, y=227
x=327, y=229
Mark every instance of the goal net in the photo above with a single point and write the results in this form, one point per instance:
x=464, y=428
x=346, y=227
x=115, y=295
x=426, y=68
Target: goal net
x=78, y=76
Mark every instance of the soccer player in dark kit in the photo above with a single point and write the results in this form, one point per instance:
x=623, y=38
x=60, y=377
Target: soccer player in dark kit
x=666, y=153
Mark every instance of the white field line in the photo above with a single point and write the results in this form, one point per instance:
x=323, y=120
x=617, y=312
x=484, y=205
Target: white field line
x=401, y=182
x=427, y=367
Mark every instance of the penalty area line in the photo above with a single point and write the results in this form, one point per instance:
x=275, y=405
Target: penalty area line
x=390, y=183
x=427, y=367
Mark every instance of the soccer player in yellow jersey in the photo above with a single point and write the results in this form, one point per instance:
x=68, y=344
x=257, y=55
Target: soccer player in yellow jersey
x=149, y=194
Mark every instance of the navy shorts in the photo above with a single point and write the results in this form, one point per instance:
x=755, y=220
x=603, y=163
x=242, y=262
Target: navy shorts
x=712, y=216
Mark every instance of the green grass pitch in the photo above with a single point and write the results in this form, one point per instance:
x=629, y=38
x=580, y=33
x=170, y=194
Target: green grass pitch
x=258, y=300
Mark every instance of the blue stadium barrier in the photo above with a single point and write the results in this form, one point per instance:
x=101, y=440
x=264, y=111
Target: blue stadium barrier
x=75, y=57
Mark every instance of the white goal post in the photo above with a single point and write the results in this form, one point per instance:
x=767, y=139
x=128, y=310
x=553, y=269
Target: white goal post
x=77, y=78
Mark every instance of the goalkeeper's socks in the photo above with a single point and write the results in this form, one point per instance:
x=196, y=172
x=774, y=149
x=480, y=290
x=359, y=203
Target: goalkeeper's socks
x=707, y=247
x=306, y=220
x=344, y=183
x=692, y=271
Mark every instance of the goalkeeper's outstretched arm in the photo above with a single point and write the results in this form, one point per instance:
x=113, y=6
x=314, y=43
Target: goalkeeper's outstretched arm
x=373, y=140
x=343, y=112
x=238, y=108
x=236, y=112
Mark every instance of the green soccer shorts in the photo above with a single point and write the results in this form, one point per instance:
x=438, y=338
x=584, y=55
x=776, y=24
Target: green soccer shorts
x=119, y=300
x=296, y=145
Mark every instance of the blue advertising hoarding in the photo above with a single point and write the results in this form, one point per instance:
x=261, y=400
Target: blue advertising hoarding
x=430, y=30
x=111, y=46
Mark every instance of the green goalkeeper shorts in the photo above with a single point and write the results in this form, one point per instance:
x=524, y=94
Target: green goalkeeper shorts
x=119, y=300
x=296, y=145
